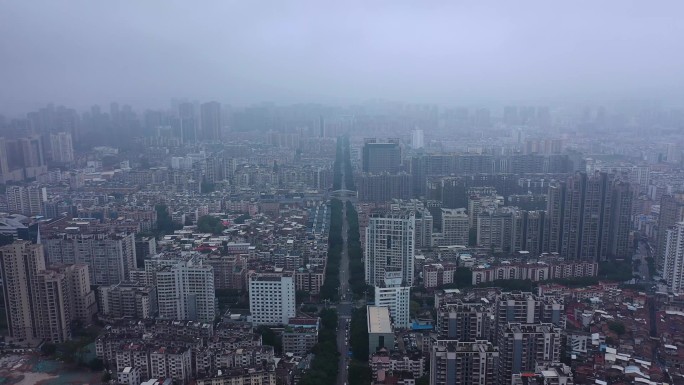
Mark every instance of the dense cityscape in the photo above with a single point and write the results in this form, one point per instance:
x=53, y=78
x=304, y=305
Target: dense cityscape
x=341, y=193
x=283, y=245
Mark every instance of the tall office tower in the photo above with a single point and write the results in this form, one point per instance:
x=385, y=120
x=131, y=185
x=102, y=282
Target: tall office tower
x=271, y=298
x=381, y=157
x=464, y=363
x=593, y=213
x=455, y=227
x=211, y=120
x=465, y=321
x=26, y=200
x=424, y=223
x=185, y=286
x=21, y=263
x=673, y=268
x=523, y=346
x=110, y=257
x=396, y=297
x=390, y=238
x=61, y=147
x=671, y=213
x=417, y=139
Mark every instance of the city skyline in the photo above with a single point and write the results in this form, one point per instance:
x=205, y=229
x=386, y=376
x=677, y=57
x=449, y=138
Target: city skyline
x=339, y=53
x=350, y=193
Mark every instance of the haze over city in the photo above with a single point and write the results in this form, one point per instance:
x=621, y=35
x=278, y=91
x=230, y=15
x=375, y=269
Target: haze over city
x=341, y=193
x=80, y=52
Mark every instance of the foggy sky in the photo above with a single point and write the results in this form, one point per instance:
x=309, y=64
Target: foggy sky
x=146, y=52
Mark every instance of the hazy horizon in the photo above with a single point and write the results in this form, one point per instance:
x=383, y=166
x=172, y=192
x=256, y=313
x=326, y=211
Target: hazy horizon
x=80, y=53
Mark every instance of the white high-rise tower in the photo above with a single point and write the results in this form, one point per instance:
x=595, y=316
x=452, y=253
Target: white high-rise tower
x=417, y=139
x=674, y=258
x=390, y=246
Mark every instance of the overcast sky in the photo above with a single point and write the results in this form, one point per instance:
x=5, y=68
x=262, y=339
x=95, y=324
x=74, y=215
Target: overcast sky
x=146, y=52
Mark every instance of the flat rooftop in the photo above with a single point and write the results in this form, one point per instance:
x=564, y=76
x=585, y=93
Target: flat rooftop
x=379, y=320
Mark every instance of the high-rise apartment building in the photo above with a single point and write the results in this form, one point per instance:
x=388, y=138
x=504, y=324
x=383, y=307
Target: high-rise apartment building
x=417, y=139
x=83, y=300
x=185, y=286
x=53, y=312
x=494, y=229
x=43, y=303
x=61, y=147
x=396, y=297
x=272, y=298
x=384, y=187
x=455, y=227
x=555, y=204
x=588, y=217
x=210, y=119
x=424, y=224
x=21, y=264
x=22, y=158
x=527, y=308
x=465, y=321
x=620, y=219
x=464, y=363
x=186, y=124
x=671, y=212
x=228, y=271
x=381, y=157
x=673, y=269
x=523, y=346
x=390, y=238
x=128, y=300
x=528, y=231
x=300, y=335
x=32, y=151
x=26, y=200
x=110, y=257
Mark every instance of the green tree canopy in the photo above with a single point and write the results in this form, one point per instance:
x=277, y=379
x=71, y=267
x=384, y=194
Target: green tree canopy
x=617, y=327
x=209, y=224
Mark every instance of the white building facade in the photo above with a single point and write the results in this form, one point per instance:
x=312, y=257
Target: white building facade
x=390, y=246
x=185, y=288
x=272, y=298
x=396, y=297
x=674, y=259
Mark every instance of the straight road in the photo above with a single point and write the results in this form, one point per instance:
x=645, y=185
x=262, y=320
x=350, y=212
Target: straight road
x=344, y=307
